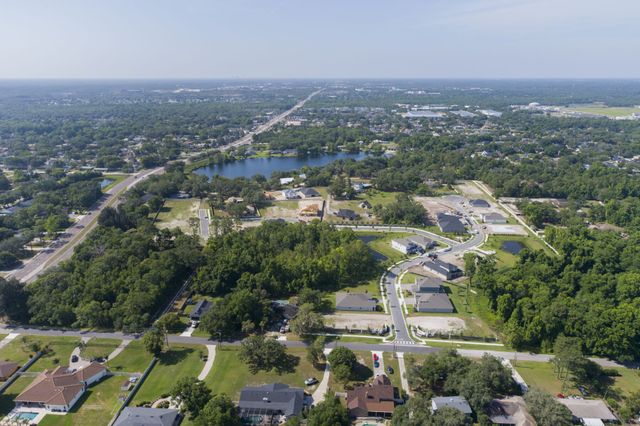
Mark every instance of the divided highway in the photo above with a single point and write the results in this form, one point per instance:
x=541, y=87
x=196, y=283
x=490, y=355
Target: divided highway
x=62, y=248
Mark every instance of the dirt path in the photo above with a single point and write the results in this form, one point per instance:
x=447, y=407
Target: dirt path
x=403, y=373
x=119, y=349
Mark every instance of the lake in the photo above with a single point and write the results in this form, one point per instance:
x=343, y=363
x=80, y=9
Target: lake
x=266, y=166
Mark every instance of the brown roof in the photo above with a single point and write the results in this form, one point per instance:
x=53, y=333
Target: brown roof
x=8, y=368
x=511, y=410
x=377, y=397
x=59, y=386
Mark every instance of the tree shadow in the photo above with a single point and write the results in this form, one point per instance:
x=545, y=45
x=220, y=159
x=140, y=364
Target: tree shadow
x=287, y=364
x=361, y=373
x=175, y=356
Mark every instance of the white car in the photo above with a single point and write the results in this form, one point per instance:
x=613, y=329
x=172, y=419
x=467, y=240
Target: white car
x=310, y=381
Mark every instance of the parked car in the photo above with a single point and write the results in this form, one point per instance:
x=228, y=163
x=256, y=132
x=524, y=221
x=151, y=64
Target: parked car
x=310, y=381
x=389, y=370
x=376, y=357
x=74, y=358
x=376, y=364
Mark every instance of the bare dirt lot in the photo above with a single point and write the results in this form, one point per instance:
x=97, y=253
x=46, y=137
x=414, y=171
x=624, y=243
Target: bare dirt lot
x=469, y=189
x=356, y=320
x=506, y=229
x=434, y=205
x=441, y=324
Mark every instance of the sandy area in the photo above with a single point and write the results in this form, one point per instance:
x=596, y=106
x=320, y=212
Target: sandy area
x=360, y=321
x=180, y=211
x=506, y=229
x=443, y=324
x=469, y=189
x=434, y=205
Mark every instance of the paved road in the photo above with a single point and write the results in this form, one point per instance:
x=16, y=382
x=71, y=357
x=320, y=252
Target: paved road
x=390, y=277
x=204, y=223
x=62, y=248
x=247, y=139
x=385, y=347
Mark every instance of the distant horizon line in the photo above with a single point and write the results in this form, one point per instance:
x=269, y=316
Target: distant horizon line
x=62, y=79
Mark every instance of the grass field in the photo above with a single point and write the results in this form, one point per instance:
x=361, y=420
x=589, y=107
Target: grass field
x=229, y=374
x=373, y=196
x=96, y=407
x=390, y=361
x=603, y=110
x=6, y=399
x=505, y=259
x=381, y=243
x=176, y=214
x=99, y=348
x=134, y=359
x=177, y=362
x=542, y=375
x=61, y=348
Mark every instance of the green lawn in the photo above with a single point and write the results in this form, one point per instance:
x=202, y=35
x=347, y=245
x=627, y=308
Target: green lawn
x=504, y=259
x=134, y=359
x=390, y=361
x=373, y=196
x=6, y=399
x=99, y=348
x=542, y=375
x=116, y=180
x=381, y=242
x=61, y=348
x=177, y=362
x=229, y=374
x=96, y=407
x=603, y=110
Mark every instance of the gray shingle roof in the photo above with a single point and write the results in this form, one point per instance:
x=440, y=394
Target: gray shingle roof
x=271, y=399
x=457, y=402
x=359, y=300
x=451, y=224
x=479, y=202
x=141, y=416
x=434, y=302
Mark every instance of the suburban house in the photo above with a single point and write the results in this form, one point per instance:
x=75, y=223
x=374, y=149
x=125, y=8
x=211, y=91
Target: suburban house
x=450, y=224
x=374, y=400
x=457, y=402
x=200, y=309
x=7, y=369
x=290, y=194
x=355, y=302
x=592, y=412
x=444, y=270
x=479, y=202
x=59, y=389
x=142, y=416
x=346, y=214
x=427, y=285
x=510, y=411
x=433, y=302
x=286, y=310
x=413, y=244
x=494, y=218
x=274, y=399
x=308, y=193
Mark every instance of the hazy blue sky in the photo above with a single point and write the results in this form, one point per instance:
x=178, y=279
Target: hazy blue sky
x=320, y=38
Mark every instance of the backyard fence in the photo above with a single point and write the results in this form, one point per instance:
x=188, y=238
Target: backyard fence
x=134, y=390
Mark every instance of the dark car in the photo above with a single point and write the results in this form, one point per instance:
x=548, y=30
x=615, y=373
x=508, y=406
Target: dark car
x=389, y=370
x=74, y=358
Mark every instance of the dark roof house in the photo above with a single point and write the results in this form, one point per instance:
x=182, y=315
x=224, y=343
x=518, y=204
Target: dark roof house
x=457, y=402
x=444, y=270
x=374, y=400
x=7, y=369
x=434, y=302
x=271, y=400
x=308, y=192
x=589, y=411
x=347, y=214
x=493, y=218
x=450, y=224
x=142, y=416
x=200, y=309
x=355, y=302
x=427, y=285
x=479, y=202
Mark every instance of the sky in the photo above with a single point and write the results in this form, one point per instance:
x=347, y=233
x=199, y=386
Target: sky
x=319, y=39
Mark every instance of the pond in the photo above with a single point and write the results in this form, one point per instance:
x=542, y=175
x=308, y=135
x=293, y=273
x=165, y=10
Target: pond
x=266, y=166
x=105, y=182
x=513, y=247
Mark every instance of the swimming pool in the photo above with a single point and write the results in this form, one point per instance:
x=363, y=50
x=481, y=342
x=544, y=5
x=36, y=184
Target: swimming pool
x=25, y=416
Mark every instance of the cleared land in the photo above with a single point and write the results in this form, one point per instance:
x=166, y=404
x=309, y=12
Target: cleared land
x=505, y=259
x=343, y=320
x=175, y=213
x=603, y=110
x=229, y=374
